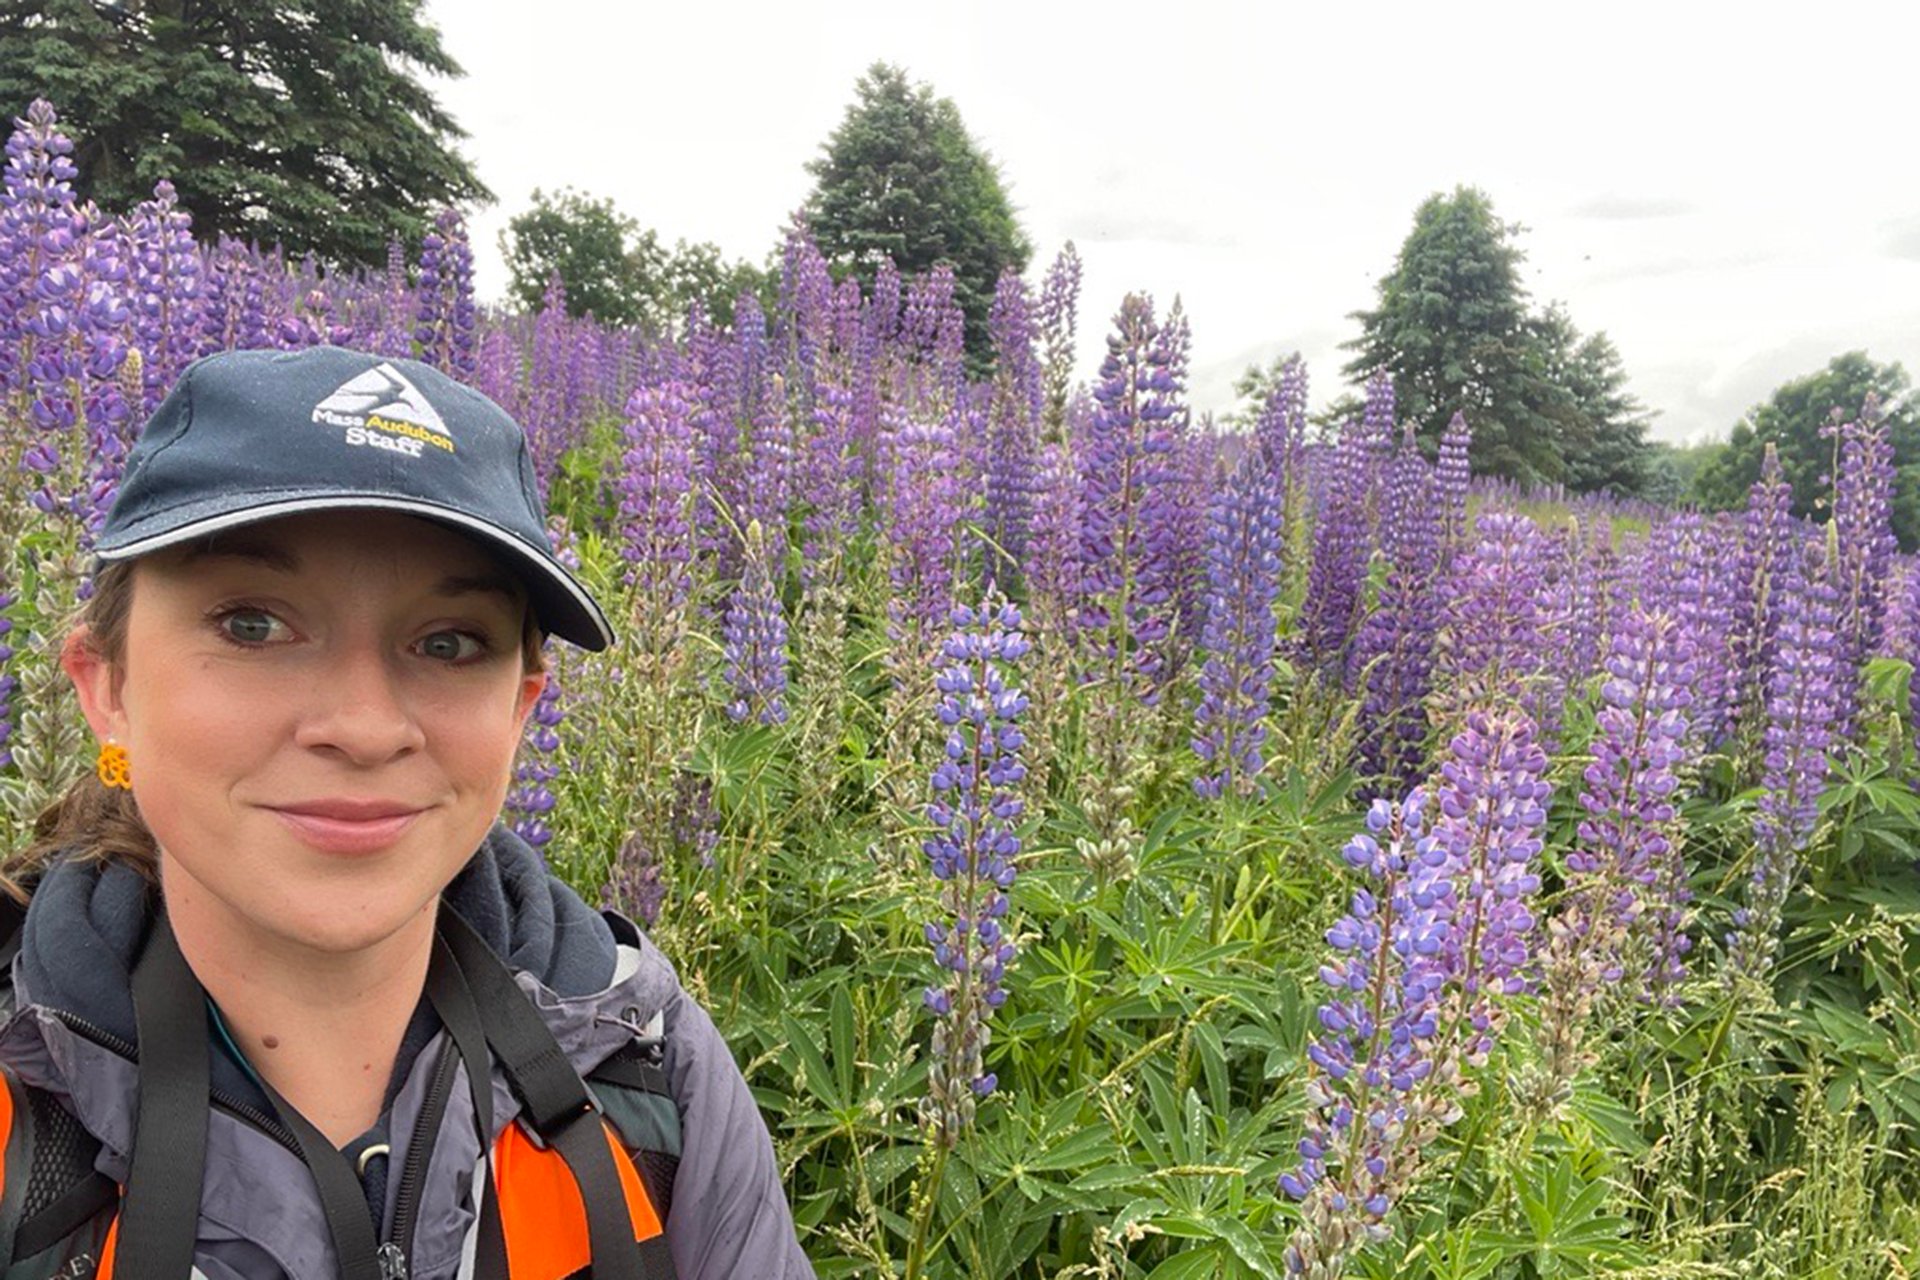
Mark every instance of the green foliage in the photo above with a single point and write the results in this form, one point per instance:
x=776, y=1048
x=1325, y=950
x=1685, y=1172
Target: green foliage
x=1791, y=419
x=1452, y=328
x=901, y=178
x=1674, y=468
x=1253, y=388
x=614, y=269
x=302, y=123
x=1601, y=428
x=1151, y=1053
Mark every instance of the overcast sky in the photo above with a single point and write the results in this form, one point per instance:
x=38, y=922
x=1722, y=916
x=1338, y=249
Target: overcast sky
x=1731, y=196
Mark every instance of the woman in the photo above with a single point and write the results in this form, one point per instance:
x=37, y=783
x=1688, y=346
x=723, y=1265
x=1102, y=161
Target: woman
x=303, y=1008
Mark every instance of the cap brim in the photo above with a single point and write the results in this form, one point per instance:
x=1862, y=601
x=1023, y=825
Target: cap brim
x=561, y=603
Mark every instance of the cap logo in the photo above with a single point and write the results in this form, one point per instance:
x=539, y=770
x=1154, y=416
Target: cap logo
x=381, y=409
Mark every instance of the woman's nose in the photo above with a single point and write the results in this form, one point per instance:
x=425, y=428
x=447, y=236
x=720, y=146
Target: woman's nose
x=360, y=709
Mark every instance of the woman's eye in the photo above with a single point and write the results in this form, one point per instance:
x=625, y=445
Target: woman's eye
x=251, y=626
x=453, y=646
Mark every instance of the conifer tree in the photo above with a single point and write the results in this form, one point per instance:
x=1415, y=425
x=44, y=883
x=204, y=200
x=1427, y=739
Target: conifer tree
x=298, y=121
x=901, y=178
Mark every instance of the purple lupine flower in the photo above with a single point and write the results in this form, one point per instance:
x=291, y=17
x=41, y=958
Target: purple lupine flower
x=165, y=292
x=1013, y=427
x=754, y=639
x=1341, y=540
x=1911, y=646
x=803, y=311
x=48, y=243
x=1452, y=471
x=444, y=318
x=7, y=681
x=1492, y=804
x=1371, y=1091
x=919, y=517
x=933, y=337
x=829, y=484
x=768, y=469
x=255, y=330
x=1126, y=458
x=1593, y=590
x=1626, y=856
x=1052, y=567
x=1804, y=701
x=234, y=304
x=1393, y=654
x=1685, y=573
x=1243, y=550
x=656, y=495
x=530, y=799
x=1769, y=538
x=548, y=430
x=1491, y=649
x=1199, y=457
x=1058, y=317
x=693, y=824
x=1376, y=433
x=1860, y=550
x=496, y=372
x=36, y=230
x=975, y=814
x=111, y=392
x=1430, y=959
x=392, y=333
x=883, y=304
x=1280, y=432
x=740, y=413
x=635, y=882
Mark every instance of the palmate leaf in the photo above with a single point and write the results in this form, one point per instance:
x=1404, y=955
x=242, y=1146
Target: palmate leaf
x=1568, y=1232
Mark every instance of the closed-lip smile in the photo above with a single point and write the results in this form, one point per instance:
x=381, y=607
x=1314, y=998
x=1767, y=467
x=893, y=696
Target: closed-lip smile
x=348, y=810
x=345, y=825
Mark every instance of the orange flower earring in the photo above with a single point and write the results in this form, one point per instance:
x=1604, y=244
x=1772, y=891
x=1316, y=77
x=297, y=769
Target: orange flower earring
x=116, y=772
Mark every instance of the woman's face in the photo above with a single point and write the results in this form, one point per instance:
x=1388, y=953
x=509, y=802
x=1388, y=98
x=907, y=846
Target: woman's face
x=321, y=714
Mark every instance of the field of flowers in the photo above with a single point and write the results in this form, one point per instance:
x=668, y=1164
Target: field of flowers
x=1117, y=847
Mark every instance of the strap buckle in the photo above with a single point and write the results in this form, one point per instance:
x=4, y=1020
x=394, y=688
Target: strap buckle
x=543, y=1136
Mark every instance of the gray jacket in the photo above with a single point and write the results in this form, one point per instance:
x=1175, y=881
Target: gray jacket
x=260, y=1218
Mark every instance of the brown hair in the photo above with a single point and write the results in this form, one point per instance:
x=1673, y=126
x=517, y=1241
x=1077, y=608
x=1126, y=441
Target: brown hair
x=103, y=824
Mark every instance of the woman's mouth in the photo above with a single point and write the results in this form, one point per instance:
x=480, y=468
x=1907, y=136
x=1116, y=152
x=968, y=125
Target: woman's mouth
x=348, y=826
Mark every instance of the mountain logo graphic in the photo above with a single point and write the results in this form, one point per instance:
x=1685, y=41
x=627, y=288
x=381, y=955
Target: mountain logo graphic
x=382, y=409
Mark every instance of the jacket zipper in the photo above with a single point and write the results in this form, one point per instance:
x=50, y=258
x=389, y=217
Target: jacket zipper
x=262, y=1120
x=396, y=1255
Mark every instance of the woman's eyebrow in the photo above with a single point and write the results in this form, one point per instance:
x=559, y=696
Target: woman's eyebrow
x=462, y=584
x=258, y=552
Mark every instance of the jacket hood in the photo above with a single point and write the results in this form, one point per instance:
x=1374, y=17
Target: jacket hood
x=87, y=924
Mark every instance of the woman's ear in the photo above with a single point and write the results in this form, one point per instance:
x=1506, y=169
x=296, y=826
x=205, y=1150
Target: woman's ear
x=97, y=683
x=532, y=684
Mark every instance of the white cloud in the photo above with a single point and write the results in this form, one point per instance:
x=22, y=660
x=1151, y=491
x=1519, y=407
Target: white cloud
x=1705, y=190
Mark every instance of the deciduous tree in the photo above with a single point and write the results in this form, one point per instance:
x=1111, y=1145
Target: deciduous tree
x=1791, y=418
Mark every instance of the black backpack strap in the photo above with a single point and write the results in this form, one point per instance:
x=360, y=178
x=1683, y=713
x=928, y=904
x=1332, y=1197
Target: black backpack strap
x=633, y=1067
x=161, y=1216
x=633, y=1090
x=555, y=1101
x=63, y=1190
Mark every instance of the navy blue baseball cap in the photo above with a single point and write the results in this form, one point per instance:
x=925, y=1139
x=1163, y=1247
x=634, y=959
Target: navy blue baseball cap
x=247, y=436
